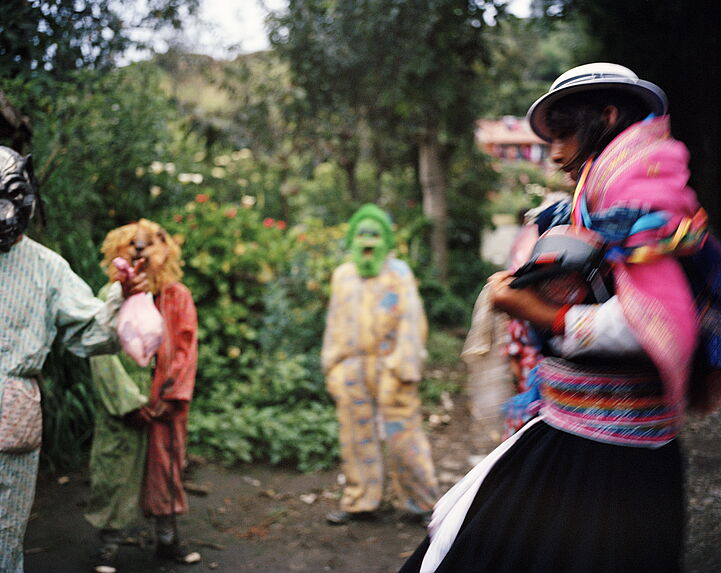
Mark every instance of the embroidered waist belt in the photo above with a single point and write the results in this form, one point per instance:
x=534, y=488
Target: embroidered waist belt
x=614, y=404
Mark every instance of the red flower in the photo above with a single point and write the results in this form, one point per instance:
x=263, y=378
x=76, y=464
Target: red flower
x=301, y=237
x=201, y=198
x=231, y=212
x=281, y=225
x=268, y=222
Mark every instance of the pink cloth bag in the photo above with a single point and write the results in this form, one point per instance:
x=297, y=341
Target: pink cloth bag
x=140, y=325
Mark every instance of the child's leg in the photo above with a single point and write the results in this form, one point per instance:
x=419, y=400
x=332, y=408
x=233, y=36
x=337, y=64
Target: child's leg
x=168, y=543
x=165, y=532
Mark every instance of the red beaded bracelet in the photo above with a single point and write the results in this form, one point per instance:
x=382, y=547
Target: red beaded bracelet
x=559, y=321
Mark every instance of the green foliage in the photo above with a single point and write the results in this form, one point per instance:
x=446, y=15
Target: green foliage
x=68, y=410
x=348, y=52
x=305, y=435
x=281, y=412
x=444, y=351
x=432, y=388
x=443, y=307
x=468, y=275
x=230, y=255
x=261, y=293
x=520, y=186
x=408, y=71
x=324, y=196
x=307, y=158
x=527, y=55
x=56, y=37
x=444, y=348
x=93, y=139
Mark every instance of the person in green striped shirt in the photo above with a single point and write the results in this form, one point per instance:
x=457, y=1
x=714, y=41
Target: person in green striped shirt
x=41, y=299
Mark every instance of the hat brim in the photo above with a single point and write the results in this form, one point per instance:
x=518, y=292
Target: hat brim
x=648, y=92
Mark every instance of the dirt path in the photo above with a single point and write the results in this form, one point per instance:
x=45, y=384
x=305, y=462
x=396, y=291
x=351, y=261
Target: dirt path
x=257, y=518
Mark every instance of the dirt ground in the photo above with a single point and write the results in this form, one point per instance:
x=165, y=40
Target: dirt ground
x=257, y=518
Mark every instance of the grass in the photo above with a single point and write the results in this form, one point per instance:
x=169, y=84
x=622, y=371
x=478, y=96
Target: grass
x=444, y=370
x=444, y=349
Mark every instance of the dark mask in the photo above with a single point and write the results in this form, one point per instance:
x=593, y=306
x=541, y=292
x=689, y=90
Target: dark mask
x=18, y=194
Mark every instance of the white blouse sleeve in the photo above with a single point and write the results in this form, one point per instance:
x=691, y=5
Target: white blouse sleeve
x=597, y=330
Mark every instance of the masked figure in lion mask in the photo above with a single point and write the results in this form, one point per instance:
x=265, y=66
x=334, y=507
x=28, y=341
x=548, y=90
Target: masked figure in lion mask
x=138, y=453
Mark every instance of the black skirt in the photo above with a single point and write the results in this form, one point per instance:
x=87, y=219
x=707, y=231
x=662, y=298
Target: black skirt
x=557, y=503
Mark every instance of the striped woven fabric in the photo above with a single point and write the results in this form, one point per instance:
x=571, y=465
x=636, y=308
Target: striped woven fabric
x=614, y=404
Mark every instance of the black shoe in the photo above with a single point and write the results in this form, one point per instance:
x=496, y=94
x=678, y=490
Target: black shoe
x=343, y=517
x=105, y=562
x=177, y=552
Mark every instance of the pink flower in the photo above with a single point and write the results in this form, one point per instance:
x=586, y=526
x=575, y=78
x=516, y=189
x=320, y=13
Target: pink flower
x=201, y=198
x=268, y=222
x=231, y=212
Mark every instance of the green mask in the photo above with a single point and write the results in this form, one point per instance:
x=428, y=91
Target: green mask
x=369, y=248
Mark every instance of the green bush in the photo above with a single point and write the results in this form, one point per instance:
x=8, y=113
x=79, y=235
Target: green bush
x=261, y=290
x=68, y=410
x=444, y=348
x=230, y=255
x=443, y=307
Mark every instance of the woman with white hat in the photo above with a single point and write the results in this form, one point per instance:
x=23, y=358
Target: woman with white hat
x=594, y=481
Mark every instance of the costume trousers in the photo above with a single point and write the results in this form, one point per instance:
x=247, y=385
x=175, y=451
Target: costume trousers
x=372, y=405
x=163, y=492
x=18, y=474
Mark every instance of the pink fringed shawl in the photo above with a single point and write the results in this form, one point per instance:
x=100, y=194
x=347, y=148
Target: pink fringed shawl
x=644, y=167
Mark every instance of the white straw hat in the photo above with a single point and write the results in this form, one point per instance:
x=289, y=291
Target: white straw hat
x=592, y=77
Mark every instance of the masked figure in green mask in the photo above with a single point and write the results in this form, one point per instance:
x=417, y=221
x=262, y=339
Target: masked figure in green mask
x=373, y=353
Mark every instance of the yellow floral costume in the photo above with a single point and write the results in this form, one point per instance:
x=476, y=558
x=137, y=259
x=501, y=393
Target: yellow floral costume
x=373, y=351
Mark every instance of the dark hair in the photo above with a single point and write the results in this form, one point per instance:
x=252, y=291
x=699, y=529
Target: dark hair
x=581, y=115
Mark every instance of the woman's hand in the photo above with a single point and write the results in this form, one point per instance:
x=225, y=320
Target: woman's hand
x=524, y=304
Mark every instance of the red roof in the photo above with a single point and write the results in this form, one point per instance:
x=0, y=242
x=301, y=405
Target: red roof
x=507, y=131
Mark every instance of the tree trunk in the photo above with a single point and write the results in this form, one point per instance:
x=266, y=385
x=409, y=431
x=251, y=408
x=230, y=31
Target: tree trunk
x=349, y=166
x=433, y=184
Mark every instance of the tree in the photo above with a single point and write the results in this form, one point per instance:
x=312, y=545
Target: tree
x=408, y=68
x=55, y=37
x=527, y=55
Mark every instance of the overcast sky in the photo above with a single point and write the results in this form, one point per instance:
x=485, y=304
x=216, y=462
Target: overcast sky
x=234, y=24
